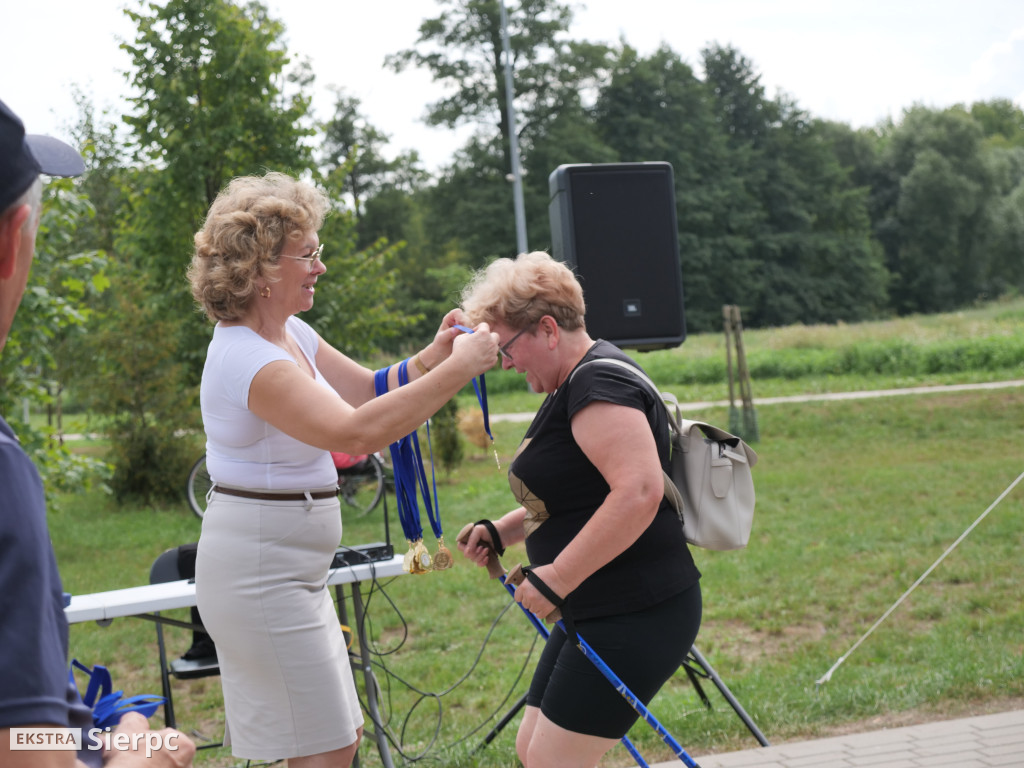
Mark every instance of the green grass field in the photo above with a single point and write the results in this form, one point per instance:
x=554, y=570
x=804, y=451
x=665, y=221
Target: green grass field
x=856, y=500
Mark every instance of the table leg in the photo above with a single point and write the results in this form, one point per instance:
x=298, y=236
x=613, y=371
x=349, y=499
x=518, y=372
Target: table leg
x=372, y=703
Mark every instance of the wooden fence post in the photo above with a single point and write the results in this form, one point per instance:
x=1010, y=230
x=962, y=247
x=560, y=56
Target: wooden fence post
x=747, y=426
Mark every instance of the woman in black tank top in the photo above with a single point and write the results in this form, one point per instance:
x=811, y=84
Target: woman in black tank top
x=597, y=530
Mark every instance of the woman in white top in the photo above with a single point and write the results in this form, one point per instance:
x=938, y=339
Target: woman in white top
x=276, y=399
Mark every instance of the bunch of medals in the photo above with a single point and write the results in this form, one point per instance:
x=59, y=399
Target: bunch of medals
x=410, y=476
x=406, y=460
x=410, y=480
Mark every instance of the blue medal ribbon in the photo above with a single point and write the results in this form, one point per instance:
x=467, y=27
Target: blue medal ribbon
x=402, y=461
x=108, y=707
x=407, y=462
x=481, y=397
x=416, y=466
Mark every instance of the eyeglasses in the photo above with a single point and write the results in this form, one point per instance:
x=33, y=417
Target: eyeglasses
x=316, y=255
x=504, y=349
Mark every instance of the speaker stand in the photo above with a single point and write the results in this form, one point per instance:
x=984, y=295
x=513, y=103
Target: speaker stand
x=503, y=722
x=695, y=659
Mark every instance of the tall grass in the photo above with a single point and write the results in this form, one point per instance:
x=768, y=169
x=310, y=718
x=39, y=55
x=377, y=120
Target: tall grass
x=977, y=345
x=856, y=499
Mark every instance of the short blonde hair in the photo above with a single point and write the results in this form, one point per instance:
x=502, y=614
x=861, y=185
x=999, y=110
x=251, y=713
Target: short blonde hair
x=243, y=236
x=519, y=292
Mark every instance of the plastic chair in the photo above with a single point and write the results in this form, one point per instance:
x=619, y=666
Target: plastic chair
x=168, y=567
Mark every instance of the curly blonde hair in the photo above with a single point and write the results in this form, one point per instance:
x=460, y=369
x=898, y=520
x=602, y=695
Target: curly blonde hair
x=243, y=236
x=519, y=292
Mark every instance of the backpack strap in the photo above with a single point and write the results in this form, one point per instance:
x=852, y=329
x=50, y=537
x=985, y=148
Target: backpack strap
x=679, y=426
x=632, y=369
x=674, y=422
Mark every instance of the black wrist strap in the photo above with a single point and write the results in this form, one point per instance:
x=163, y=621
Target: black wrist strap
x=493, y=533
x=554, y=599
x=549, y=594
x=544, y=589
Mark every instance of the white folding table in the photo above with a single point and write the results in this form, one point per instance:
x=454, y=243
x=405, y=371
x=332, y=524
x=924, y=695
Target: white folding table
x=143, y=601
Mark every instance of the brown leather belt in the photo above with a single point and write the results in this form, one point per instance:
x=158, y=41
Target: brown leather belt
x=271, y=496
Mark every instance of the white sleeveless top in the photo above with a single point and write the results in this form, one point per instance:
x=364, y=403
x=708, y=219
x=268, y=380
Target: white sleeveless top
x=241, y=448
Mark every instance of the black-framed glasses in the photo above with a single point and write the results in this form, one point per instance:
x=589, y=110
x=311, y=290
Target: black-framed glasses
x=504, y=348
x=316, y=255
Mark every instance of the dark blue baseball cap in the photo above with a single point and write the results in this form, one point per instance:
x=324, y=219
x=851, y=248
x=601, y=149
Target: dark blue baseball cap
x=23, y=157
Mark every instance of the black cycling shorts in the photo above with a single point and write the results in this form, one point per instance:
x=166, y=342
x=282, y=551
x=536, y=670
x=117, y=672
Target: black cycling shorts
x=644, y=649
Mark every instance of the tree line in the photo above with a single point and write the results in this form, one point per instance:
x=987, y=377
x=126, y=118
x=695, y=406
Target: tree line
x=793, y=218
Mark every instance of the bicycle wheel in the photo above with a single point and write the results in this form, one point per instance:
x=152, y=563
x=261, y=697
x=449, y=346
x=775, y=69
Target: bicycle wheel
x=362, y=486
x=198, y=486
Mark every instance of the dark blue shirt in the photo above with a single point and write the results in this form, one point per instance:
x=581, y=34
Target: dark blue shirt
x=35, y=687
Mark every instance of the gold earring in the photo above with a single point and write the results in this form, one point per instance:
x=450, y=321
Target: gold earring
x=265, y=292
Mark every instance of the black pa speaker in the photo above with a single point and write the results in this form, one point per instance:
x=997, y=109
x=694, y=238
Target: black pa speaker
x=614, y=224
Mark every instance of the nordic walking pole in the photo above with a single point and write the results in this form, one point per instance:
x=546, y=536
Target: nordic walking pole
x=516, y=576
x=545, y=633
x=496, y=571
x=511, y=580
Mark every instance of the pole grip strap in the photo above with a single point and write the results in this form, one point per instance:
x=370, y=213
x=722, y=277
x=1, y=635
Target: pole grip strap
x=561, y=611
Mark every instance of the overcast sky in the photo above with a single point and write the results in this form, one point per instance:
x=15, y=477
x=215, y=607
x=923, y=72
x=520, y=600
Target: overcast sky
x=856, y=61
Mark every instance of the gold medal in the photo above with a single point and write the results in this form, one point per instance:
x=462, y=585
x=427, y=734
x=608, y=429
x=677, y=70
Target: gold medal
x=421, y=558
x=443, y=557
x=407, y=561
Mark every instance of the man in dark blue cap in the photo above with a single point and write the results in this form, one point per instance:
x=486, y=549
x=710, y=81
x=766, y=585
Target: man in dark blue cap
x=22, y=159
x=35, y=690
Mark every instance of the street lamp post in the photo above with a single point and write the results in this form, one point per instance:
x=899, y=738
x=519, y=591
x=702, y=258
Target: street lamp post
x=513, y=139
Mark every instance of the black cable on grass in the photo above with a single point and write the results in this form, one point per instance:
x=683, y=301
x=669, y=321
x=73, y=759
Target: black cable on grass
x=385, y=697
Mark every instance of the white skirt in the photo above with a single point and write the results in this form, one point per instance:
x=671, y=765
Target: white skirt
x=261, y=588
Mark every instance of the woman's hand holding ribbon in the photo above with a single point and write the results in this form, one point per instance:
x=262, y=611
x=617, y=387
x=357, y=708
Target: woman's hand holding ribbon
x=441, y=347
x=479, y=357
x=478, y=351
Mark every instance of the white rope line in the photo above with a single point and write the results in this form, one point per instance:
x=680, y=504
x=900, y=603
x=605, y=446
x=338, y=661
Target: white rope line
x=828, y=675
